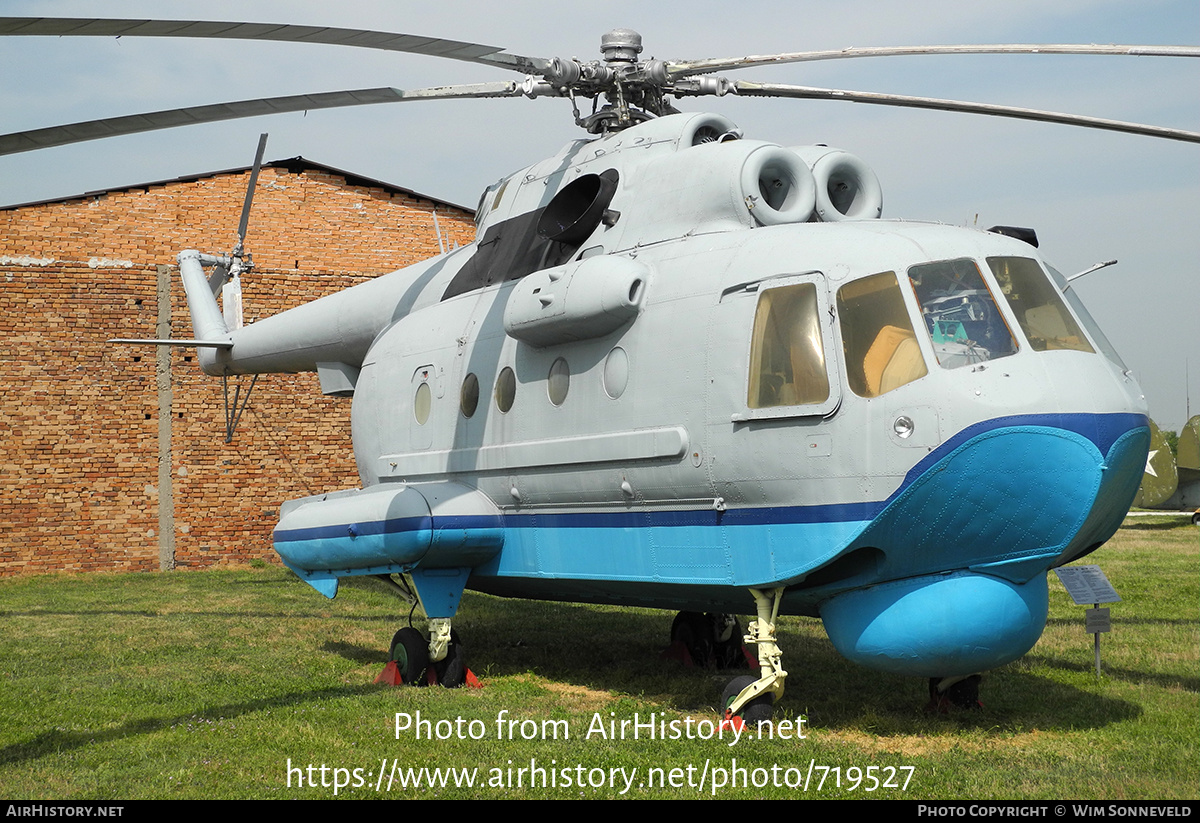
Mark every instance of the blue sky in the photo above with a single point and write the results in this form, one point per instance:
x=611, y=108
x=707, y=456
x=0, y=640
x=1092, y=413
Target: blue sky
x=1091, y=196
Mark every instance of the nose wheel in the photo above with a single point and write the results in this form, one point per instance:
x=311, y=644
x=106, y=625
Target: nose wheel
x=753, y=711
x=746, y=699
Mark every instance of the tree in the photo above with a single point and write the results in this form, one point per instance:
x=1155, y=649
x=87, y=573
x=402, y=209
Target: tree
x=1173, y=441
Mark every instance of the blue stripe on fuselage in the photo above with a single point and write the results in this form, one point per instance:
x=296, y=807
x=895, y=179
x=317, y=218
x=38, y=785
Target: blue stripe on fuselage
x=749, y=546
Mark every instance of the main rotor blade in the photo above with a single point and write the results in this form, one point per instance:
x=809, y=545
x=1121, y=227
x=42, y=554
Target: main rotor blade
x=359, y=38
x=132, y=124
x=686, y=68
x=746, y=89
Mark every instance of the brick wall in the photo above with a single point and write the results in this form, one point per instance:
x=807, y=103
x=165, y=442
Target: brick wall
x=79, y=448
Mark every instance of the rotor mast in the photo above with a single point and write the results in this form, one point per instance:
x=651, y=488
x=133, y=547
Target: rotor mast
x=634, y=90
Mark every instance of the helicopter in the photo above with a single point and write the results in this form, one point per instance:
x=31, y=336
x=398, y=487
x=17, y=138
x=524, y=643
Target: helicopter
x=687, y=369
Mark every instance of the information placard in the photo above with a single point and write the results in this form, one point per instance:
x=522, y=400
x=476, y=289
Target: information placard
x=1087, y=585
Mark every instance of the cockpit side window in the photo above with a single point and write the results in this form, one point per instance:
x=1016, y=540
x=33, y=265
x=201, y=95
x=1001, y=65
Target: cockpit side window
x=877, y=336
x=960, y=314
x=1039, y=308
x=1086, y=319
x=787, y=356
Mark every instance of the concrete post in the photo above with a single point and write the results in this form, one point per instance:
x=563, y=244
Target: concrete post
x=162, y=373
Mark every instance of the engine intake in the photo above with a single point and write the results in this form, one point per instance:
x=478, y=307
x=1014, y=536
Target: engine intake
x=847, y=188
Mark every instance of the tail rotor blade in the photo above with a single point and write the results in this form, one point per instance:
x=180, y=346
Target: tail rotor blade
x=245, y=221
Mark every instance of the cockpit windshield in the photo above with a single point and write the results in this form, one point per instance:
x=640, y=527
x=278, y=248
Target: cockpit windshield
x=960, y=313
x=1039, y=308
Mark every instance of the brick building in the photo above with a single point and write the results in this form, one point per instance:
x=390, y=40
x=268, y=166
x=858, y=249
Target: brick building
x=114, y=457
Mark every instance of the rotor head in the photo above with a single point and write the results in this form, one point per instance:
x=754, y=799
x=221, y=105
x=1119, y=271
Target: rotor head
x=621, y=46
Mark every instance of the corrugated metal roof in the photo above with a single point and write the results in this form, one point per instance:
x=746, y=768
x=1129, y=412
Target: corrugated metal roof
x=291, y=164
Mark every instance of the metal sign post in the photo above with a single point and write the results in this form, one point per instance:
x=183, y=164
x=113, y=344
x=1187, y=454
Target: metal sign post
x=1087, y=584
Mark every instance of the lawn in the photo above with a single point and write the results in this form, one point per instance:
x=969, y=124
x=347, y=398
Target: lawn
x=245, y=683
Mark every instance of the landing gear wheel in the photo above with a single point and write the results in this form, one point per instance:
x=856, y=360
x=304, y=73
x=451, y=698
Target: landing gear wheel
x=728, y=653
x=451, y=670
x=410, y=650
x=754, y=712
x=962, y=693
x=695, y=632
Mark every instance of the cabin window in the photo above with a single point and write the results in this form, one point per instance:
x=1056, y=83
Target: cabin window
x=616, y=373
x=960, y=314
x=422, y=403
x=468, y=399
x=1040, y=310
x=787, y=356
x=558, y=381
x=506, y=389
x=877, y=336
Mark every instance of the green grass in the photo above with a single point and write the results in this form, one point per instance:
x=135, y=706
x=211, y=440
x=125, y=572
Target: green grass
x=204, y=684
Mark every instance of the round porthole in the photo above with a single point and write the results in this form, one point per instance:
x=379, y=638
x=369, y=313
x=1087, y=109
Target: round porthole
x=468, y=399
x=616, y=372
x=422, y=403
x=506, y=389
x=558, y=381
